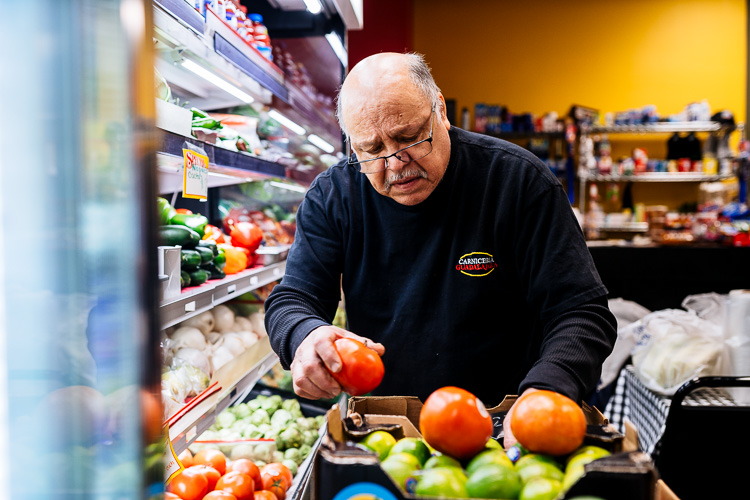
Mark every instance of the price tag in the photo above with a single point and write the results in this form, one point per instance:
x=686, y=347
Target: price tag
x=195, y=175
x=171, y=462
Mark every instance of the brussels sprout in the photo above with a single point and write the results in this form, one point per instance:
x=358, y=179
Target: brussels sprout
x=296, y=413
x=264, y=428
x=239, y=426
x=309, y=437
x=271, y=404
x=303, y=424
x=242, y=410
x=320, y=420
x=260, y=417
x=253, y=405
x=304, y=450
x=291, y=404
x=313, y=423
x=260, y=398
x=259, y=463
x=252, y=432
x=225, y=420
x=278, y=456
x=291, y=436
x=291, y=465
x=281, y=418
x=209, y=435
x=294, y=455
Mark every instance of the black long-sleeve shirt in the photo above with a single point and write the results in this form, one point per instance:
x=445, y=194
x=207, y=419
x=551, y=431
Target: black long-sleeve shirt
x=486, y=285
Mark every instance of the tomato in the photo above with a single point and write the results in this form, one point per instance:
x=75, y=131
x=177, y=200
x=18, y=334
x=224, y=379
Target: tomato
x=211, y=474
x=277, y=468
x=171, y=496
x=186, y=458
x=213, y=233
x=220, y=495
x=246, y=234
x=455, y=422
x=238, y=484
x=184, y=211
x=212, y=458
x=361, y=367
x=547, y=422
x=189, y=485
x=248, y=467
x=275, y=481
x=265, y=495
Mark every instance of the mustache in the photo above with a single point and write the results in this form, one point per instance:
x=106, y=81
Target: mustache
x=414, y=171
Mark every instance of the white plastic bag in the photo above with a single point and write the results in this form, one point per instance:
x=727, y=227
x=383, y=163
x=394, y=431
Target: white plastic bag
x=627, y=313
x=674, y=346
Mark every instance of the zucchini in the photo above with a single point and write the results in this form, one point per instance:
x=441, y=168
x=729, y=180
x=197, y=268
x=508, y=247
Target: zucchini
x=198, y=277
x=172, y=235
x=184, y=279
x=196, y=222
x=191, y=260
x=214, y=271
x=209, y=244
x=206, y=254
x=221, y=259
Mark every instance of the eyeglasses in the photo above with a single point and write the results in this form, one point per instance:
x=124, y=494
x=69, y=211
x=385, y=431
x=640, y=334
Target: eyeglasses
x=413, y=152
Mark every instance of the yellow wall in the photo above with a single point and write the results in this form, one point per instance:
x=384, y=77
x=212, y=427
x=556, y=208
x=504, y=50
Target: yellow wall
x=544, y=55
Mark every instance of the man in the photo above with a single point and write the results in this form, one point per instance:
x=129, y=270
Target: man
x=457, y=252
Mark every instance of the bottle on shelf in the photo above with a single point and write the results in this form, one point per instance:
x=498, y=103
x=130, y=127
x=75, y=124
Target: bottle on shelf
x=261, y=39
x=230, y=15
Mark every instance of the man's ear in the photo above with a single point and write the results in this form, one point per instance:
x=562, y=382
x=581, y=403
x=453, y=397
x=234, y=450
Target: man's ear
x=442, y=112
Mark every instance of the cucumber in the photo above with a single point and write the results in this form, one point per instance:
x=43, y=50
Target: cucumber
x=183, y=236
x=191, y=260
x=184, y=279
x=206, y=254
x=198, y=277
x=209, y=244
x=214, y=271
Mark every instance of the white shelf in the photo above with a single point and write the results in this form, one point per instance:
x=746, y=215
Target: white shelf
x=660, y=127
x=658, y=177
x=196, y=300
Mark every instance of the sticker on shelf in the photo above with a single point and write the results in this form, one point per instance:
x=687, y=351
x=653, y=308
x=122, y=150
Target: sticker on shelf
x=172, y=464
x=195, y=173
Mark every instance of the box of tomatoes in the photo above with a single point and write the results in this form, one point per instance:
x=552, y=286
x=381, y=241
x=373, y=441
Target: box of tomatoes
x=399, y=448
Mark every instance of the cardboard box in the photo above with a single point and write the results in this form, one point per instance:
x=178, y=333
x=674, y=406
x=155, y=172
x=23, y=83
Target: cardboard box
x=344, y=470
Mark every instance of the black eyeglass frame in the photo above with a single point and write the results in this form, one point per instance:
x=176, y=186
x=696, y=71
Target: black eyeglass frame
x=396, y=154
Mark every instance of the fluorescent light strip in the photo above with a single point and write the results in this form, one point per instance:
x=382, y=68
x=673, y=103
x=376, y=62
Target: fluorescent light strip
x=313, y=6
x=317, y=141
x=338, y=47
x=290, y=187
x=286, y=122
x=219, y=82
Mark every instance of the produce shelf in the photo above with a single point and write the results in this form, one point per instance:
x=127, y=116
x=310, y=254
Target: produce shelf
x=236, y=379
x=660, y=127
x=196, y=300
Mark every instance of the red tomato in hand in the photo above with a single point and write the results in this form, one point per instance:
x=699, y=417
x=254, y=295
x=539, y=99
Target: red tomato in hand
x=238, y=484
x=189, y=485
x=455, y=422
x=361, y=367
x=248, y=467
x=548, y=422
x=246, y=234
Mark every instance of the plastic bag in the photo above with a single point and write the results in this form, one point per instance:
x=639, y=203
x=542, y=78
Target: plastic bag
x=675, y=346
x=709, y=306
x=627, y=313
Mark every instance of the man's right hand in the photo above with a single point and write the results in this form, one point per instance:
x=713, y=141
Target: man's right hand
x=316, y=358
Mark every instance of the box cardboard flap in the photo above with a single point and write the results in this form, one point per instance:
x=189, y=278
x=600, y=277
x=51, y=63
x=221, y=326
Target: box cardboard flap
x=406, y=427
x=409, y=406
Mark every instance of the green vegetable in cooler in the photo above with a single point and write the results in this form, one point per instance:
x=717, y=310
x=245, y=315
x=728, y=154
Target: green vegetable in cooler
x=264, y=428
x=275, y=435
x=291, y=465
x=281, y=418
x=241, y=410
x=207, y=256
x=198, y=277
x=197, y=113
x=196, y=222
x=214, y=271
x=242, y=451
x=190, y=260
x=264, y=451
x=208, y=123
x=171, y=235
x=254, y=405
x=165, y=210
x=211, y=245
x=184, y=279
x=278, y=456
x=239, y=426
x=260, y=416
x=305, y=450
x=320, y=421
x=252, y=432
x=291, y=404
x=225, y=420
x=272, y=403
x=309, y=437
x=220, y=261
x=303, y=423
x=294, y=455
x=291, y=437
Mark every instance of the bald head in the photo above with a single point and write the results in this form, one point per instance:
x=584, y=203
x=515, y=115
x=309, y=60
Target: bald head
x=384, y=79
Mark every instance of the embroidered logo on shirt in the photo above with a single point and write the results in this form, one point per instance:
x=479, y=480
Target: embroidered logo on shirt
x=476, y=264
